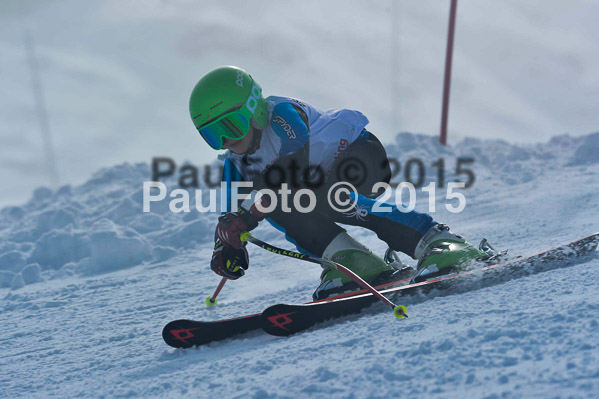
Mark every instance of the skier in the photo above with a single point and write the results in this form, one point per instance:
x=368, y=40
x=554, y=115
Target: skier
x=280, y=140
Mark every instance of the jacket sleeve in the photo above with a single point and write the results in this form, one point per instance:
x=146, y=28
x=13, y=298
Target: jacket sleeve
x=290, y=123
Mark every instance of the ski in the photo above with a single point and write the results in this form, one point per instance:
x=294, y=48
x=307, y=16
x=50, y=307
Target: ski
x=187, y=333
x=277, y=319
x=284, y=319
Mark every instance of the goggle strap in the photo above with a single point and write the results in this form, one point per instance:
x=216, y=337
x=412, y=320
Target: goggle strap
x=231, y=126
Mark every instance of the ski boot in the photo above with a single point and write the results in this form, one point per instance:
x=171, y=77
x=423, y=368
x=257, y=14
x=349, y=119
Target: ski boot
x=356, y=257
x=441, y=251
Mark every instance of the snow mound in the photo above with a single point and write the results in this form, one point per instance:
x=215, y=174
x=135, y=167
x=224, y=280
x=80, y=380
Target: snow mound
x=507, y=162
x=588, y=151
x=94, y=228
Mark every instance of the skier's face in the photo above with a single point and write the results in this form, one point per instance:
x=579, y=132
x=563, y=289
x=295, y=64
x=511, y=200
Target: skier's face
x=239, y=146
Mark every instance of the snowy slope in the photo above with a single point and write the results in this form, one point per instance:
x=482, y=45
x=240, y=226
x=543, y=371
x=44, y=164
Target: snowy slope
x=88, y=281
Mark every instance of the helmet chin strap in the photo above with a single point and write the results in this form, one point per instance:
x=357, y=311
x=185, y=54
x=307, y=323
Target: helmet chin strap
x=255, y=144
x=253, y=147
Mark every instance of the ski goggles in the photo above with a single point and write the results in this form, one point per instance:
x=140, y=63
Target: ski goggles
x=232, y=124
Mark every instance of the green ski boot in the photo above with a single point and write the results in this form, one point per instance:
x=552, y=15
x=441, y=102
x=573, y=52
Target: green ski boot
x=441, y=252
x=356, y=257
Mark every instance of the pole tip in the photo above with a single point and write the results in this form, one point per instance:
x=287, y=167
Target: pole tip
x=400, y=311
x=210, y=302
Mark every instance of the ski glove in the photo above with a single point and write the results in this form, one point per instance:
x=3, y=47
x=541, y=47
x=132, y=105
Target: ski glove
x=232, y=224
x=228, y=261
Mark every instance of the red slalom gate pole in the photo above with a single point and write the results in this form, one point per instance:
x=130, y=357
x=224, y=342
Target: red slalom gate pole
x=447, y=79
x=211, y=300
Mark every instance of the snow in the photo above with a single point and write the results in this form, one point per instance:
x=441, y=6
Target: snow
x=88, y=280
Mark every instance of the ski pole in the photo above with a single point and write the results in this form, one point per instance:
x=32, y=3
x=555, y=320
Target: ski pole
x=398, y=310
x=211, y=300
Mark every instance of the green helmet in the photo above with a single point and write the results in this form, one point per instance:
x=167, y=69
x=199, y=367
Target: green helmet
x=226, y=102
